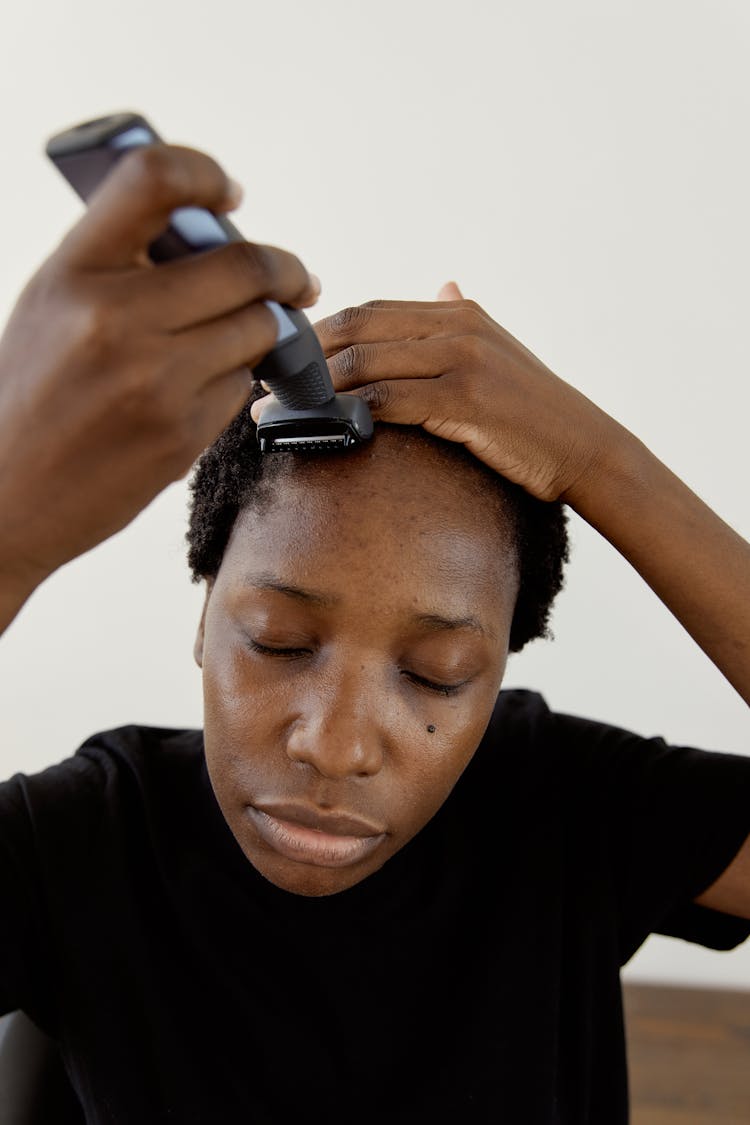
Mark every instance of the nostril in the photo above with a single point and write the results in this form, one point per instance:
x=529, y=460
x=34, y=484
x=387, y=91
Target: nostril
x=333, y=757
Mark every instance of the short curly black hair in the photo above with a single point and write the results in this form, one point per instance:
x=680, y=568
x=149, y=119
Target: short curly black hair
x=232, y=474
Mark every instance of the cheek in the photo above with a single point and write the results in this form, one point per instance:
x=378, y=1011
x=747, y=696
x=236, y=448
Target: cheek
x=236, y=711
x=235, y=688
x=441, y=756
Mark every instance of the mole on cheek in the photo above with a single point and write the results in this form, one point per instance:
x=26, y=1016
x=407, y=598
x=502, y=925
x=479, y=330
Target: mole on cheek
x=431, y=729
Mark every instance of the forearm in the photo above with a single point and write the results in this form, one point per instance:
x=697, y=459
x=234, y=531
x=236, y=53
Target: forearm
x=21, y=568
x=13, y=596
x=692, y=560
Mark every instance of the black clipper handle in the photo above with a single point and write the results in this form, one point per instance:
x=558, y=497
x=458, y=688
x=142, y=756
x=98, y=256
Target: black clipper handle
x=296, y=369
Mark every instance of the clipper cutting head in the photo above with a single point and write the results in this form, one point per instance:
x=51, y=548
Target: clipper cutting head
x=339, y=424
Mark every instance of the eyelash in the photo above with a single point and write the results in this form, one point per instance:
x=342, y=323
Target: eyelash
x=292, y=653
x=276, y=651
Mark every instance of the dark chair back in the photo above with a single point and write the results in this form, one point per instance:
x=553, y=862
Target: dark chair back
x=34, y=1088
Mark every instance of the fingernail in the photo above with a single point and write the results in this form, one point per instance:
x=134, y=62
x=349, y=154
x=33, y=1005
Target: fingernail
x=235, y=192
x=315, y=282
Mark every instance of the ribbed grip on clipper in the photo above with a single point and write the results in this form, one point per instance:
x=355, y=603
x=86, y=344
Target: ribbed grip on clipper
x=309, y=388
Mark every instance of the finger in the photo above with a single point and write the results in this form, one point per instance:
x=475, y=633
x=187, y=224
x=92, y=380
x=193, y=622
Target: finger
x=396, y=359
x=201, y=354
x=450, y=292
x=259, y=406
x=132, y=205
x=380, y=321
x=201, y=287
x=311, y=295
x=387, y=304
x=408, y=402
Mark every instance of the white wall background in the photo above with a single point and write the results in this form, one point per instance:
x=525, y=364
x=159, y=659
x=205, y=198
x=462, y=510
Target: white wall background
x=580, y=168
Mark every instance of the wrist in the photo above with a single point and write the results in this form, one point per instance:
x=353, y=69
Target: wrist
x=17, y=584
x=621, y=468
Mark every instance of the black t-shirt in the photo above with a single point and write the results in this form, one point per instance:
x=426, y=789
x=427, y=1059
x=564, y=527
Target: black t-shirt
x=474, y=978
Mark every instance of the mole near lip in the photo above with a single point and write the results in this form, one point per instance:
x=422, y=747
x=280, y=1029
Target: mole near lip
x=311, y=845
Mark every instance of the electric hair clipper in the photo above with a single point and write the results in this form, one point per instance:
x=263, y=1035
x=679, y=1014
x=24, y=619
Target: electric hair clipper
x=308, y=414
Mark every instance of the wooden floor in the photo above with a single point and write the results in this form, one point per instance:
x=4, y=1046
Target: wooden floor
x=688, y=1055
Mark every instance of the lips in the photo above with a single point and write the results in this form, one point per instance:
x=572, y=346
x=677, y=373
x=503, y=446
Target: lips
x=309, y=835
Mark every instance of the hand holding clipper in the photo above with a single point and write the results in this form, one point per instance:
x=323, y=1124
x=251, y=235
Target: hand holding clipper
x=308, y=413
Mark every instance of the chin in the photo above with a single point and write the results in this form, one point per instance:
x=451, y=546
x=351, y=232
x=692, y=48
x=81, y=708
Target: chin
x=309, y=880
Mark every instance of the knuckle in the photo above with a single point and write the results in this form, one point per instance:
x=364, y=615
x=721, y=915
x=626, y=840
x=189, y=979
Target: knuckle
x=379, y=304
x=350, y=320
x=170, y=174
x=145, y=397
x=472, y=348
x=98, y=327
x=156, y=167
x=252, y=263
x=351, y=362
x=377, y=395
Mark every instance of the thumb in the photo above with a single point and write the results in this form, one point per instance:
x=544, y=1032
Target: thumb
x=259, y=406
x=135, y=200
x=450, y=292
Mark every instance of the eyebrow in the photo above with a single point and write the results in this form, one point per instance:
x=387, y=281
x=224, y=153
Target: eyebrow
x=309, y=597
x=434, y=622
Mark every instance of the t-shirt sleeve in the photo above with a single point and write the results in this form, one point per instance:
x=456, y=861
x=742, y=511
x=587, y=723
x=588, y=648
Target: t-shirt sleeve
x=670, y=819
x=65, y=797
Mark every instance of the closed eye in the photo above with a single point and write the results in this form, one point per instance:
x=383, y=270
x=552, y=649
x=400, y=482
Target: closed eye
x=430, y=685
x=295, y=653
x=266, y=650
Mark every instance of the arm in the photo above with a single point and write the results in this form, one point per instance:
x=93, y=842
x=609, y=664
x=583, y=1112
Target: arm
x=698, y=566
x=115, y=374
x=692, y=560
x=448, y=367
x=470, y=381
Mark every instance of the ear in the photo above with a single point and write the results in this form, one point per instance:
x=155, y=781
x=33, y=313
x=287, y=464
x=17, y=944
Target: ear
x=198, y=646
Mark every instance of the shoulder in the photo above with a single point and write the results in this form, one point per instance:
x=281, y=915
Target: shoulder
x=144, y=763
x=523, y=720
x=527, y=714
x=680, y=807
x=104, y=769
x=125, y=792
x=520, y=712
x=625, y=768
x=142, y=747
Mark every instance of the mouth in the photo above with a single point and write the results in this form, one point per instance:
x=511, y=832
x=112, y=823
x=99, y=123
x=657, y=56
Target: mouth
x=308, y=836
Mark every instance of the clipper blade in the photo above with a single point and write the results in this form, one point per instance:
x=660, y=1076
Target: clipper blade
x=343, y=422
x=312, y=442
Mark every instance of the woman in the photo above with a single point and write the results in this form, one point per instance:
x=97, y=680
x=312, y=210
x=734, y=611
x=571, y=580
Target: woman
x=376, y=887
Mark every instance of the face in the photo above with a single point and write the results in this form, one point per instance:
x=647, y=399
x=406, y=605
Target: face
x=352, y=645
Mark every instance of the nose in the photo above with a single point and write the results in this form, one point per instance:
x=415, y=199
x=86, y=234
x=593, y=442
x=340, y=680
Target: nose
x=337, y=732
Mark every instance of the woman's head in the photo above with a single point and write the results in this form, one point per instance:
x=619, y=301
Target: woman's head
x=360, y=608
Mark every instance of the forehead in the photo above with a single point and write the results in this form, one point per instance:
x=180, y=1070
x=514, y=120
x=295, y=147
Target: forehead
x=393, y=515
